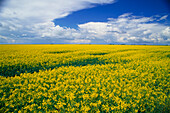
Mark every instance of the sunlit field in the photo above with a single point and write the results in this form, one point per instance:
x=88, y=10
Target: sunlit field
x=84, y=78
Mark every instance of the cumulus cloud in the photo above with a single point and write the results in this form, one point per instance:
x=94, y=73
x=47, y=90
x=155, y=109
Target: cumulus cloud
x=166, y=32
x=18, y=17
x=29, y=21
x=124, y=29
x=38, y=11
x=50, y=30
x=129, y=29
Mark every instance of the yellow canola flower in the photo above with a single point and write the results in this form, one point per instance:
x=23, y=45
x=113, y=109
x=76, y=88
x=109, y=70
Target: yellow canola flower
x=84, y=78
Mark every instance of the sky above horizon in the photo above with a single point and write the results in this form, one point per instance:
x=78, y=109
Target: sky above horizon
x=85, y=22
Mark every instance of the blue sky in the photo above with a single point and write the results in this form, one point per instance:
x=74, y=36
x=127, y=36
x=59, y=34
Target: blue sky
x=85, y=21
x=100, y=13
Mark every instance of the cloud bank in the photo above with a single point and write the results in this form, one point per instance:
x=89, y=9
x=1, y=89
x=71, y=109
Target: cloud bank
x=38, y=11
x=126, y=28
x=30, y=21
x=129, y=29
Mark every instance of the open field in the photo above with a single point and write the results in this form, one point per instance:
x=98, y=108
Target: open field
x=84, y=78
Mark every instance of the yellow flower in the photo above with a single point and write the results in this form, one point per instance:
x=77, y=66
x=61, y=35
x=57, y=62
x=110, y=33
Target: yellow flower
x=136, y=110
x=99, y=102
x=93, y=104
x=77, y=104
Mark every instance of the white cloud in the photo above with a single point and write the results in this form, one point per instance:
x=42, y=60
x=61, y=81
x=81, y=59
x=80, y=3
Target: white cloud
x=125, y=15
x=129, y=29
x=18, y=17
x=79, y=41
x=98, y=28
x=124, y=29
x=163, y=17
x=147, y=32
x=38, y=11
x=3, y=37
x=166, y=32
x=48, y=29
x=27, y=21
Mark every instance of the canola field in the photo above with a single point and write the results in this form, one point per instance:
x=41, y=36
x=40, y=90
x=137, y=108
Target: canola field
x=84, y=78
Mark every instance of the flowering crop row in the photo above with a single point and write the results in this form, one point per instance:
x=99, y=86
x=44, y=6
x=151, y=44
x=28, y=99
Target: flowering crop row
x=84, y=78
